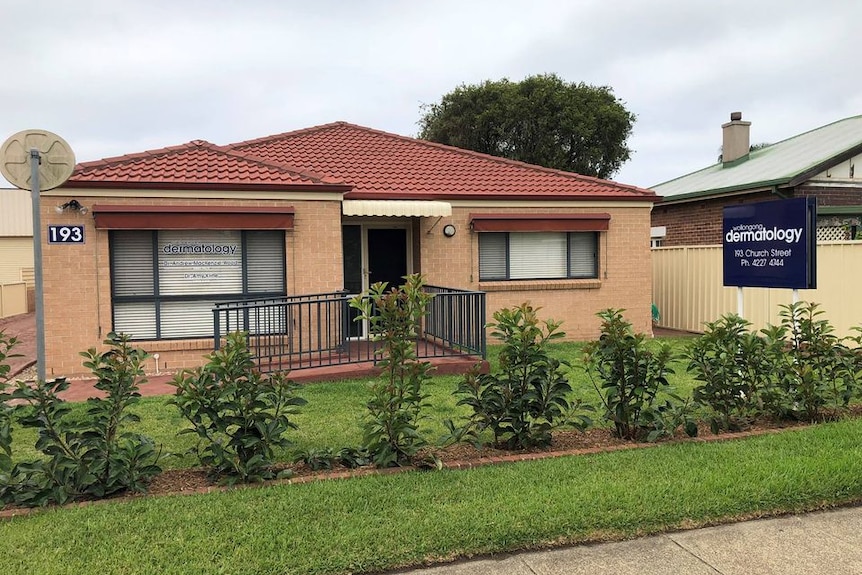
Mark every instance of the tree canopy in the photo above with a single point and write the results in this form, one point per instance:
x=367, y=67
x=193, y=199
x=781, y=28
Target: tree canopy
x=540, y=120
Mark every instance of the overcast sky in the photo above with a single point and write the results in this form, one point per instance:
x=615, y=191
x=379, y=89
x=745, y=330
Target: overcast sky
x=121, y=76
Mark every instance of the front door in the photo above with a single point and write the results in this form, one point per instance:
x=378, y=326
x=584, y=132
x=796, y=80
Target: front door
x=372, y=254
x=387, y=255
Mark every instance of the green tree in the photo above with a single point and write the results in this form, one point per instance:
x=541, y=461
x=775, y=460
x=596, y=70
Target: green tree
x=541, y=120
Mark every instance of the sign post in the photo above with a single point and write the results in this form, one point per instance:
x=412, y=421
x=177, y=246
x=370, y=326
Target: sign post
x=37, y=160
x=771, y=244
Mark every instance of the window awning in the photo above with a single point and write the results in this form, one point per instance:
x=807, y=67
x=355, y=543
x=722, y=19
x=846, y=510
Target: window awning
x=539, y=222
x=138, y=217
x=397, y=208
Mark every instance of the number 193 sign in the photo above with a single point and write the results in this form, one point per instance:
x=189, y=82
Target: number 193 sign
x=65, y=234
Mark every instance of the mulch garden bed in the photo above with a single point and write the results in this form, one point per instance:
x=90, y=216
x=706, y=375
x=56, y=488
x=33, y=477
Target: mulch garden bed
x=459, y=456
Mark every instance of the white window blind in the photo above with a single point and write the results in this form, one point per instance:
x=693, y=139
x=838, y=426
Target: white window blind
x=265, y=253
x=137, y=319
x=180, y=319
x=537, y=255
x=132, y=253
x=492, y=256
x=583, y=260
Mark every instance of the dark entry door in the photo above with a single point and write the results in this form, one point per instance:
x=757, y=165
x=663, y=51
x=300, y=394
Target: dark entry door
x=387, y=255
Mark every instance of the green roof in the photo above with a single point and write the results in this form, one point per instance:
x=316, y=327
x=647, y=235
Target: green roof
x=775, y=165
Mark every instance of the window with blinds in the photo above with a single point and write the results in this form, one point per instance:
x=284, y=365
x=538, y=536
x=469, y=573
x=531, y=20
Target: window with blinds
x=164, y=283
x=538, y=255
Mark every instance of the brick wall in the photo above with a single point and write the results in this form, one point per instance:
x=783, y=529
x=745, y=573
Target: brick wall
x=77, y=282
x=699, y=222
x=830, y=196
x=624, y=262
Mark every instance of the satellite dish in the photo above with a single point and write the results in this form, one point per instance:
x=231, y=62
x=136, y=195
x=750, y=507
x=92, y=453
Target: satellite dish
x=58, y=160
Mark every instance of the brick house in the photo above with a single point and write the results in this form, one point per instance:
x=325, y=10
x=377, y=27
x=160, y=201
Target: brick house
x=819, y=163
x=170, y=233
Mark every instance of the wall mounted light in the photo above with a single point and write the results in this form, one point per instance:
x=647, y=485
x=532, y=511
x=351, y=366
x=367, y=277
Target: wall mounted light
x=72, y=206
x=449, y=230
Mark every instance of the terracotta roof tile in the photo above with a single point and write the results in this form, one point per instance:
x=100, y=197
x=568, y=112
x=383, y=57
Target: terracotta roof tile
x=383, y=165
x=197, y=163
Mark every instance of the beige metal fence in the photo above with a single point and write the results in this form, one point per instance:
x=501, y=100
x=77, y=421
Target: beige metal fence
x=13, y=299
x=687, y=288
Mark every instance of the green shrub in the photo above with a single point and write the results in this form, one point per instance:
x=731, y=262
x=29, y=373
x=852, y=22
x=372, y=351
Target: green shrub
x=238, y=415
x=318, y=459
x=391, y=429
x=631, y=376
x=812, y=368
x=89, y=457
x=7, y=343
x=732, y=365
x=527, y=398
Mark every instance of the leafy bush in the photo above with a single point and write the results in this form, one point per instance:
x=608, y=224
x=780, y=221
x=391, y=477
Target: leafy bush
x=631, y=376
x=353, y=457
x=527, y=399
x=238, y=415
x=732, y=364
x=813, y=369
x=318, y=459
x=89, y=457
x=391, y=429
x=327, y=458
x=7, y=343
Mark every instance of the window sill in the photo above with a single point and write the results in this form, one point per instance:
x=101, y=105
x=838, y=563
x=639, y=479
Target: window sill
x=158, y=345
x=540, y=285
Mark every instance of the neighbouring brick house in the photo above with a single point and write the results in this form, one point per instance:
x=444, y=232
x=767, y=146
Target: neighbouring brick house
x=171, y=232
x=818, y=163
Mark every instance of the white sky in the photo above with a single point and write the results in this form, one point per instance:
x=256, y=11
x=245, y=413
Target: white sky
x=122, y=76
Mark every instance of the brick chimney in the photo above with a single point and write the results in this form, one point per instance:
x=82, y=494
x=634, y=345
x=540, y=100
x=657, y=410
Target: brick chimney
x=735, y=141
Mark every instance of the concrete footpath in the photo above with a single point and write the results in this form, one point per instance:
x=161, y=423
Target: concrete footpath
x=828, y=542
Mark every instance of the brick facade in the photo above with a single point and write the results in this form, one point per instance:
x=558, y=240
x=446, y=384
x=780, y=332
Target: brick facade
x=77, y=279
x=698, y=222
x=625, y=271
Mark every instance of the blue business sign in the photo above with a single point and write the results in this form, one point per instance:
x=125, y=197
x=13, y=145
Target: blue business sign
x=771, y=244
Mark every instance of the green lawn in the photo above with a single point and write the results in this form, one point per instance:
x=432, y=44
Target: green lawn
x=332, y=418
x=383, y=522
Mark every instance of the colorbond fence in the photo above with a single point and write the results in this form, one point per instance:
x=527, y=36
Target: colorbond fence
x=687, y=288
x=13, y=299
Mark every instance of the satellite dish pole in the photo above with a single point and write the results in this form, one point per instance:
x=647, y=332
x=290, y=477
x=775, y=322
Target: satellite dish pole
x=31, y=147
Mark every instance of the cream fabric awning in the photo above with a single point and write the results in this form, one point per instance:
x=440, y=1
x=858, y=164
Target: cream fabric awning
x=402, y=208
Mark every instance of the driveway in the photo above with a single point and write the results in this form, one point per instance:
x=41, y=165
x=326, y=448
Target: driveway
x=23, y=327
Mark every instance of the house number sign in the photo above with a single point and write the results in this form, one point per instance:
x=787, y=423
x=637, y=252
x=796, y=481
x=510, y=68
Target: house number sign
x=65, y=234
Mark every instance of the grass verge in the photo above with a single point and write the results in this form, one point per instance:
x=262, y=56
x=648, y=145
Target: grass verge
x=383, y=522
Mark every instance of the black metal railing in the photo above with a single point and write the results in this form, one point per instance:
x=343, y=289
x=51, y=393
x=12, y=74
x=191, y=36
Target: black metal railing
x=456, y=320
x=315, y=330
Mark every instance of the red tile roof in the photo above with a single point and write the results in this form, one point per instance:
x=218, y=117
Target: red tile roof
x=196, y=164
x=381, y=165
x=364, y=163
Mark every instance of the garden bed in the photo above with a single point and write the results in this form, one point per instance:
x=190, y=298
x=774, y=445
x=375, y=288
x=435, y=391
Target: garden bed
x=465, y=456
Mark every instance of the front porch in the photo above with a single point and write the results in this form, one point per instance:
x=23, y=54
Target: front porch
x=315, y=336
